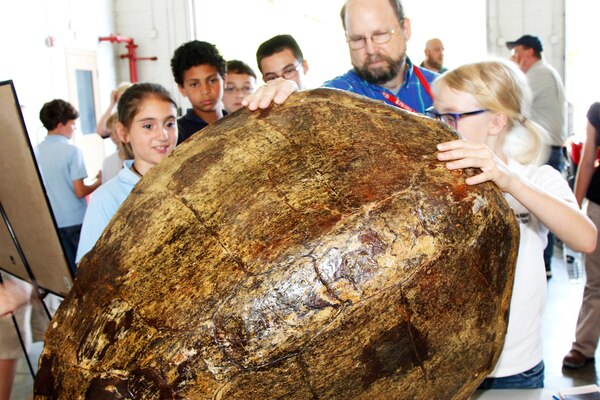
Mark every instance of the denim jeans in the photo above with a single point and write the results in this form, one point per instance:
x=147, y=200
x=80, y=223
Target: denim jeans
x=557, y=162
x=531, y=379
x=69, y=236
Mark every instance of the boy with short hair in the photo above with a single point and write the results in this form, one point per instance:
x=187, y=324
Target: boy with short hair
x=63, y=171
x=281, y=57
x=199, y=71
x=240, y=82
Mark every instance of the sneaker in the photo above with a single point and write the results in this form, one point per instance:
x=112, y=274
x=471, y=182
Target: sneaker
x=574, y=359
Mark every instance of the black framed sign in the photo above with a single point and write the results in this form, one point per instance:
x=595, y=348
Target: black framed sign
x=30, y=246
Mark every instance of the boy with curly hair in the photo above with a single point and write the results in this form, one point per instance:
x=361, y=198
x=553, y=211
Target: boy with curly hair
x=199, y=71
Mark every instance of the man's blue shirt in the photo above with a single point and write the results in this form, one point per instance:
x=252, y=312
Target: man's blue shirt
x=412, y=92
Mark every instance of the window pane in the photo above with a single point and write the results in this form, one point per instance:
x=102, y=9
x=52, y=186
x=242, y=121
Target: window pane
x=85, y=95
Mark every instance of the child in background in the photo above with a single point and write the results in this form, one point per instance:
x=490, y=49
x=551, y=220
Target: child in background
x=147, y=123
x=281, y=57
x=102, y=127
x=114, y=163
x=63, y=171
x=199, y=71
x=240, y=82
x=488, y=103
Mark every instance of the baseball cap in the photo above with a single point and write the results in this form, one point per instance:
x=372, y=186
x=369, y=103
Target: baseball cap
x=532, y=42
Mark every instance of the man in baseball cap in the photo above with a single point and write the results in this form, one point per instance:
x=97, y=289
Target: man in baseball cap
x=527, y=41
x=549, y=106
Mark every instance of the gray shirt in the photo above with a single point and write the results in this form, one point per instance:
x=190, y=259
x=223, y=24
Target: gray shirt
x=549, y=106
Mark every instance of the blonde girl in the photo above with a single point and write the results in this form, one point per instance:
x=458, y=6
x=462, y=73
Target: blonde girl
x=488, y=104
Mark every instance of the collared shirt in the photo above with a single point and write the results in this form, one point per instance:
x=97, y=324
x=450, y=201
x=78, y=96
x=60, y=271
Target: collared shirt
x=189, y=124
x=105, y=202
x=549, y=105
x=60, y=164
x=412, y=92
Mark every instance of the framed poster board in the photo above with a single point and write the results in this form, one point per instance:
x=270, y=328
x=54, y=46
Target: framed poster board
x=30, y=246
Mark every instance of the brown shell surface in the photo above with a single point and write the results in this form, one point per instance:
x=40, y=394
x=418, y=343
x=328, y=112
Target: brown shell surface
x=314, y=250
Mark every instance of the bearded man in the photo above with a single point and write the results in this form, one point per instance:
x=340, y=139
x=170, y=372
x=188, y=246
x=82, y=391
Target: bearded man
x=434, y=56
x=377, y=32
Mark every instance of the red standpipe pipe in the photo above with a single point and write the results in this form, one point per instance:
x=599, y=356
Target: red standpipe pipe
x=130, y=55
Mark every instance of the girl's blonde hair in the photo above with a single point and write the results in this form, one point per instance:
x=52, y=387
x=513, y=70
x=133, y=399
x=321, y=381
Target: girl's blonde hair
x=500, y=86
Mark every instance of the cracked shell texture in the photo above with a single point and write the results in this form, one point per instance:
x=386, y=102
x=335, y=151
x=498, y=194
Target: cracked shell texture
x=314, y=250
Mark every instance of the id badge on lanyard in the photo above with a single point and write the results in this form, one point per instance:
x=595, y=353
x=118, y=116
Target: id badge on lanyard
x=399, y=103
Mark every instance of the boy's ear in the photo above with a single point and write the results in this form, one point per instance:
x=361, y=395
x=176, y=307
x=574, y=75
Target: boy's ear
x=498, y=122
x=304, y=66
x=181, y=90
x=122, y=132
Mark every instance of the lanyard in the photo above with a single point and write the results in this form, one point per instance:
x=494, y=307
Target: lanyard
x=399, y=103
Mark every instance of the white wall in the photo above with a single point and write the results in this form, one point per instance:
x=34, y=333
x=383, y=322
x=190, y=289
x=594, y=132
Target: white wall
x=244, y=25
x=569, y=31
x=238, y=26
x=582, y=58
x=158, y=27
x=39, y=71
x=508, y=20
x=317, y=27
x=462, y=32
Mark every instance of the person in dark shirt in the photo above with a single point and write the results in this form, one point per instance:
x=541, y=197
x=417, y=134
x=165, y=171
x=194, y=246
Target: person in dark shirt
x=199, y=71
x=587, y=185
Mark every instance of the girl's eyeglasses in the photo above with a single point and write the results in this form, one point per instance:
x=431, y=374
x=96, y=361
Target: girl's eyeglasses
x=450, y=118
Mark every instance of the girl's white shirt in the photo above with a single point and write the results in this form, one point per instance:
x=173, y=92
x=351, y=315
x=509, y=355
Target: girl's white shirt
x=523, y=343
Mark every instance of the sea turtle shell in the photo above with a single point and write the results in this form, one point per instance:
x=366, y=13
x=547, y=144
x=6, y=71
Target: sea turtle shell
x=313, y=250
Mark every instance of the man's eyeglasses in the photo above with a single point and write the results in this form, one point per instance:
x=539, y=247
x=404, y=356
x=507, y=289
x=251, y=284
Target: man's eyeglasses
x=450, y=118
x=289, y=72
x=244, y=89
x=358, y=42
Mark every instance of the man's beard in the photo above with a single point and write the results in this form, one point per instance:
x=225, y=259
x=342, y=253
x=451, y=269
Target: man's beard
x=379, y=76
x=435, y=64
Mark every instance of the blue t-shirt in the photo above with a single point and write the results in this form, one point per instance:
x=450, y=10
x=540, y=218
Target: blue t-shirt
x=105, y=202
x=60, y=164
x=412, y=92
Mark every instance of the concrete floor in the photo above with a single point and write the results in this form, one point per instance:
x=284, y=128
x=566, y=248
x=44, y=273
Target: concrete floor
x=564, y=299
x=560, y=317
